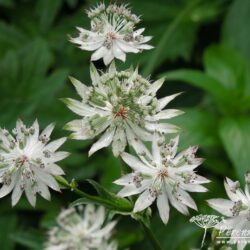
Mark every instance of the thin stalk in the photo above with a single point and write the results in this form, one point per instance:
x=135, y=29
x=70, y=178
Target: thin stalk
x=155, y=243
x=204, y=236
x=73, y=187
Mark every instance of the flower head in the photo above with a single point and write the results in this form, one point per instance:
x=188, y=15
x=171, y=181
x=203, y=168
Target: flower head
x=28, y=162
x=112, y=33
x=237, y=209
x=123, y=105
x=164, y=176
x=82, y=229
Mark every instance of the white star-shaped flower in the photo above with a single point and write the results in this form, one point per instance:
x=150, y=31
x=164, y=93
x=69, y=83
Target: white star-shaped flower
x=164, y=176
x=80, y=229
x=112, y=34
x=236, y=209
x=122, y=106
x=28, y=162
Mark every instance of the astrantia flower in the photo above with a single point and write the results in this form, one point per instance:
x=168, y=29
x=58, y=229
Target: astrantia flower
x=123, y=105
x=237, y=209
x=112, y=33
x=82, y=230
x=28, y=162
x=164, y=176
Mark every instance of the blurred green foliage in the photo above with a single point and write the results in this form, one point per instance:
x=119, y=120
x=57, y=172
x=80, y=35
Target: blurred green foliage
x=202, y=47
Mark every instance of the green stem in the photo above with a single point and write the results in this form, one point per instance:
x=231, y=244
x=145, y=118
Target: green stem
x=73, y=187
x=156, y=245
x=162, y=45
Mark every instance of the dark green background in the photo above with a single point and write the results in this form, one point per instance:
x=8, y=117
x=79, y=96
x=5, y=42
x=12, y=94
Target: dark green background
x=203, y=49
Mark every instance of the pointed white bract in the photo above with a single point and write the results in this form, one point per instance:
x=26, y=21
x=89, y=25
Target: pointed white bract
x=28, y=162
x=236, y=209
x=165, y=176
x=82, y=229
x=121, y=107
x=112, y=33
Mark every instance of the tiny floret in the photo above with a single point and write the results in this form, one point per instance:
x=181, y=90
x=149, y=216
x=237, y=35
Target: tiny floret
x=28, y=162
x=165, y=176
x=112, y=33
x=121, y=107
x=82, y=229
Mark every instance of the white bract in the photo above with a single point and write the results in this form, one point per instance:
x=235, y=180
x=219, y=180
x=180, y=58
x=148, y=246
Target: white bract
x=236, y=209
x=82, y=230
x=28, y=162
x=122, y=106
x=112, y=33
x=164, y=176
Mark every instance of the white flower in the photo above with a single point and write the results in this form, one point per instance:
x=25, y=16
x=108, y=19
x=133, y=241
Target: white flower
x=123, y=105
x=237, y=209
x=112, y=34
x=82, y=230
x=164, y=176
x=28, y=162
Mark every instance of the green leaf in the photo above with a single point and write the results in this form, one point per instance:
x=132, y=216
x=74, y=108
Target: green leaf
x=7, y=3
x=47, y=11
x=10, y=38
x=30, y=239
x=227, y=67
x=236, y=32
x=203, y=123
x=107, y=199
x=8, y=223
x=235, y=136
x=197, y=79
x=175, y=36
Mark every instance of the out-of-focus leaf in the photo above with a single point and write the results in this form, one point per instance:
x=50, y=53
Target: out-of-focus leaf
x=110, y=172
x=236, y=140
x=197, y=79
x=226, y=77
x=227, y=67
x=7, y=3
x=47, y=11
x=235, y=30
x=10, y=38
x=29, y=239
x=177, y=39
x=200, y=128
x=8, y=223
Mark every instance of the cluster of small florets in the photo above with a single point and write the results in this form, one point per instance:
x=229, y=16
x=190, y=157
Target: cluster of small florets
x=112, y=33
x=82, y=228
x=205, y=220
x=113, y=10
x=124, y=105
x=28, y=162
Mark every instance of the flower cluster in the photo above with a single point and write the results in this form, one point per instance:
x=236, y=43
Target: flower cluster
x=164, y=176
x=28, y=162
x=82, y=229
x=236, y=209
x=112, y=33
x=122, y=106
